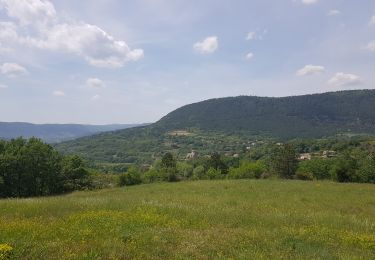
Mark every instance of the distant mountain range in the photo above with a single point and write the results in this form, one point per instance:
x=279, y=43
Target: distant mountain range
x=308, y=116
x=53, y=133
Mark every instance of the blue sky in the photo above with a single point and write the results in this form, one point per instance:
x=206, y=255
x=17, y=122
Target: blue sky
x=119, y=61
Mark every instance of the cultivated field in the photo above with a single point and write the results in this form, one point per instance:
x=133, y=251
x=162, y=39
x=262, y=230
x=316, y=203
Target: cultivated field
x=244, y=219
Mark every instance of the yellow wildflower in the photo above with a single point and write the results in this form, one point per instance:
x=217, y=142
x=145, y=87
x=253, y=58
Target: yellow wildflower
x=5, y=251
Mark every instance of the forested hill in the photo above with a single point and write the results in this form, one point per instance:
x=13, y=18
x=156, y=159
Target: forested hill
x=287, y=117
x=54, y=132
x=225, y=124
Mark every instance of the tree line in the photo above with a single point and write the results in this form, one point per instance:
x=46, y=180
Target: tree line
x=354, y=165
x=33, y=168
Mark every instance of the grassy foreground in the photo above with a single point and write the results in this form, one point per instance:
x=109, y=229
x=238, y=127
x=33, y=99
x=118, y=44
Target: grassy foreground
x=206, y=219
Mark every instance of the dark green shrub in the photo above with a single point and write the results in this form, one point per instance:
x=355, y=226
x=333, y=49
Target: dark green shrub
x=132, y=177
x=319, y=168
x=247, y=170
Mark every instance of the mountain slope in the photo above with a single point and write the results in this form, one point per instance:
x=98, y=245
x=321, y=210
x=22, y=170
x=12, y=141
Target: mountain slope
x=288, y=117
x=226, y=124
x=54, y=132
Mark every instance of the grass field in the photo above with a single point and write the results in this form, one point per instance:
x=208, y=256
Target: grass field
x=206, y=219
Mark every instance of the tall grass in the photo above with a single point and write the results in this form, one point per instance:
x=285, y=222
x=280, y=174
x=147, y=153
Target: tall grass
x=238, y=219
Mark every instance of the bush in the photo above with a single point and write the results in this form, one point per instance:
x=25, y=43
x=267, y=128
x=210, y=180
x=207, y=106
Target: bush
x=247, y=170
x=185, y=170
x=344, y=169
x=318, y=168
x=132, y=177
x=169, y=174
x=304, y=176
x=151, y=176
x=199, y=173
x=213, y=174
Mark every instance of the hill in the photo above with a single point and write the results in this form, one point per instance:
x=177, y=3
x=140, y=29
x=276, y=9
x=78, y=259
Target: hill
x=287, y=117
x=229, y=124
x=240, y=219
x=53, y=133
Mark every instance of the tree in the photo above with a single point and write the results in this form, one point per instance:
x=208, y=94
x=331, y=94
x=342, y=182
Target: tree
x=217, y=163
x=33, y=168
x=318, y=168
x=131, y=177
x=168, y=161
x=75, y=176
x=285, y=162
x=169, y=168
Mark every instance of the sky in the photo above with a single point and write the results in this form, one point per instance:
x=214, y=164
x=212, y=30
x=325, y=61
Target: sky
x=122, y=61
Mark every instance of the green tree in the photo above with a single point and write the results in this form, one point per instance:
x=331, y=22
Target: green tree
x=284, y=161
x=131, y=177
x=217, y=163
x=33, y=168
x=199, y=172
x=75, y=176
x=169, y=168
x=168, y=161
x=318, y=168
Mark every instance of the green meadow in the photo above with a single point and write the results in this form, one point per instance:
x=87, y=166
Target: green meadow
x=226, y=219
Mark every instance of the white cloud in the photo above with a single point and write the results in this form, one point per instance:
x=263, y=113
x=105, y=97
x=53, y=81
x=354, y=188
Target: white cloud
x=310, y=70
x=208, y=45
x=95, y=97
x=370, y=46
x=249, y=56
x=372, y=20
x=2, y=86
x=13, y=70
x=341, y=79
x=334, y=13
x=50, y=32
x=255, y=35
x=95, y=83
x=309, y=2
x=251, y=36
x=59, y=93
x=29, y=11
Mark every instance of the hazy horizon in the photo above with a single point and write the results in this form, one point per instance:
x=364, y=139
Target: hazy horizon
x=126, y=62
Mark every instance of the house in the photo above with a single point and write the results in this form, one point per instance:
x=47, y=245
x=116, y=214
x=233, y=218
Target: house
x=191, y=156
x=304, y=156
x=329, y=154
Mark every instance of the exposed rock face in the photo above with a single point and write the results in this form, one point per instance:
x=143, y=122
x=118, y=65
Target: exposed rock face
x=191, y=156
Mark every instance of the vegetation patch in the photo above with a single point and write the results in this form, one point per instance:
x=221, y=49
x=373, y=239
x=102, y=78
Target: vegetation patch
x=235, y=219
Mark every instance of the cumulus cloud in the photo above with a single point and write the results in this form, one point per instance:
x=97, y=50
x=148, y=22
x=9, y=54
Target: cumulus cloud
x=370, y=46
x=309, y=2
x=310, y=70
x=251, y=36
x=51, y=32
x=2, y=86
x=372, y=20
x=95, y=83
x=29, y=11
x=208, y=45
x=334, y=13
x=341, y=79
x=59, y=93
x=249, y=56
x=13, y=70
